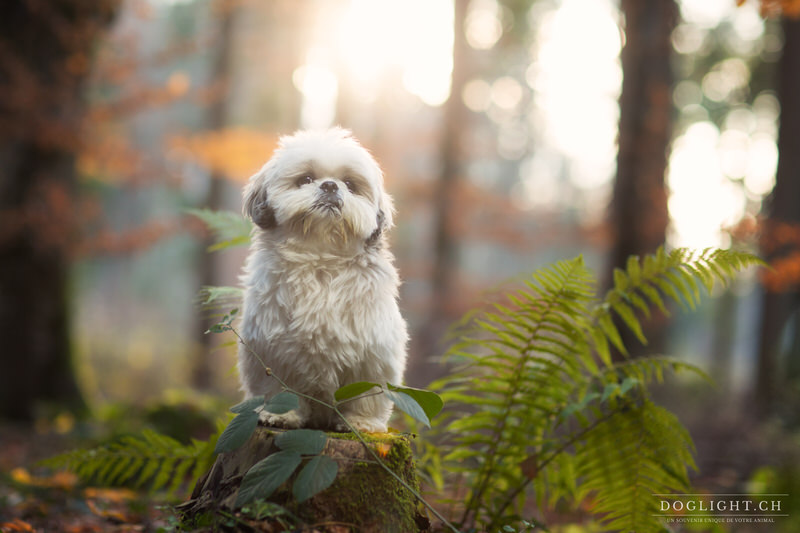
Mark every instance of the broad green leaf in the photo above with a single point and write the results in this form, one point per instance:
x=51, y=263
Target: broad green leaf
x=430, y=402
x=281, y=403
x=266, y=476
x=248, y=405
x=302, y=441
x=237, y=432
x=353, y=389
x=316, y=476
x=408, y=405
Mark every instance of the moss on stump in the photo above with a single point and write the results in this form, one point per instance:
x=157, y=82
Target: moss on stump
x=363, y=498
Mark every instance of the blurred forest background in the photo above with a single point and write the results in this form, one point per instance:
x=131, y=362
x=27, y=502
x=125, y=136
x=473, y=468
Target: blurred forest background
x=512, y=133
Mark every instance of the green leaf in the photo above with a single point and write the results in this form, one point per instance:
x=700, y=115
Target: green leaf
x=219, y=328
x=316, y=476
x=609, y=391
x=627, y=384
x=430, y=402
x=281, y=403
x=353, y=389
x=266, y=476
x=228, y=227
x=408, y=405
x=302, y=441
x=237, y=432
x=626, y=313
x=248, y=405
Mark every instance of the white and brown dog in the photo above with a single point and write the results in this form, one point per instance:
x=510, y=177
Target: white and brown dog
x=320, y=305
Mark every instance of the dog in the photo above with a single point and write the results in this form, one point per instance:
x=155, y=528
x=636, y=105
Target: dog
x=320, y=289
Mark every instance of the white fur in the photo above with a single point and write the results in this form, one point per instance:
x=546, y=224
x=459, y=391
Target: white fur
x=320, y=306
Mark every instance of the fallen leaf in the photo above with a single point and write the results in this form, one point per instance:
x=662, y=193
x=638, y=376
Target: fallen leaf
x=109, y=494
x=16, y=525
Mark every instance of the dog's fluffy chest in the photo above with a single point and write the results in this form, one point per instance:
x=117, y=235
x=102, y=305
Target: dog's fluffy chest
x=324, y=308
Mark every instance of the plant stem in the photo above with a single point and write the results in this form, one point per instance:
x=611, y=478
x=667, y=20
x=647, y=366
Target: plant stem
x=550, y=458
x=356, y=432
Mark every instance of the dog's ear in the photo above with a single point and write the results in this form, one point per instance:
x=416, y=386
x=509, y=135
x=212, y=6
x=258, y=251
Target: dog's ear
x=375, y=236
x=255, y=203
x=384, y=220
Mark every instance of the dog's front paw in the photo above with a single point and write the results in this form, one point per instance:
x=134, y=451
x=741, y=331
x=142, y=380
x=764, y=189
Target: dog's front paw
x=290, y=420
x=363, y=424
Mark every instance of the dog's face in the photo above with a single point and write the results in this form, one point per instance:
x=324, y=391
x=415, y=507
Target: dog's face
x=321, y=187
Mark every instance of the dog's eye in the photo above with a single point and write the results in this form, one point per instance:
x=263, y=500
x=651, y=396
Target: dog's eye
x=303, y=180
x=350, y=185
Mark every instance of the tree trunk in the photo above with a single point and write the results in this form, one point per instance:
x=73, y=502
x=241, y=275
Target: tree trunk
x=782, y=215
x=202, y=372
x=363, y=497
x=639, y=216
x=44, y=59
x=445, y=253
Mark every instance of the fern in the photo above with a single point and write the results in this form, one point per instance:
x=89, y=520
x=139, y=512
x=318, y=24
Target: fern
x=538, y=407
x=228, y=228
x=152, y=460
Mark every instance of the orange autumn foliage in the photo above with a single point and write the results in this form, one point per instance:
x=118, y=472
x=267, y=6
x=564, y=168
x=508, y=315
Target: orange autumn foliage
x=775, y=8
x=235, y=153
x=781, y=242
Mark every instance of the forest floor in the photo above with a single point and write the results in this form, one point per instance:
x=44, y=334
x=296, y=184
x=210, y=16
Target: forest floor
x=35, y=500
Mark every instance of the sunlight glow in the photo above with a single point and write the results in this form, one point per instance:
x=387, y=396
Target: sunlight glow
x=373, y=45
x=576, y=77
x=483, y=27
x=702, y=200
x=319, y=88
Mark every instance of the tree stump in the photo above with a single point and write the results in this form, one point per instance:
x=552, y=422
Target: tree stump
x=363, y=497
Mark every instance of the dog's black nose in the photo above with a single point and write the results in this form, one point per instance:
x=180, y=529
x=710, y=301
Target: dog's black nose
x=329, y=186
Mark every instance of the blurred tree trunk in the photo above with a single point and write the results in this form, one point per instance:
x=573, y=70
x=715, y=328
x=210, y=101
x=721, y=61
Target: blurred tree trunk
x=782, y=212
x=45, y=48
x=639, y=217
x=445, y=248
x=445, y=267
x=225, y=11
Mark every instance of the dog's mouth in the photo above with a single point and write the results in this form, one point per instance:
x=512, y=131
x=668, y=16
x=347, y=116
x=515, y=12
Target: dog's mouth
x=329, y=203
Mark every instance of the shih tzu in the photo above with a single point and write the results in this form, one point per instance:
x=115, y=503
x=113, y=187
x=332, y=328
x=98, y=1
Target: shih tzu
x=320, y=305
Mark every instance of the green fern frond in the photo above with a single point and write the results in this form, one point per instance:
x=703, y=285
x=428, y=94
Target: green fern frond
x=637, y=453
x=151, y=460
x=537, y=405
x=649, y=282
x=519, y=350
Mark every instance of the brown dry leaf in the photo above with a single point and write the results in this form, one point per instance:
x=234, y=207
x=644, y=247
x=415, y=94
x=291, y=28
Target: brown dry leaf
x=109, y=494
x=109, y=513
x=16, y=525
x=59, y=480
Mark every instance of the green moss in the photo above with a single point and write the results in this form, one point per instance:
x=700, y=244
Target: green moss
x=365, y=495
